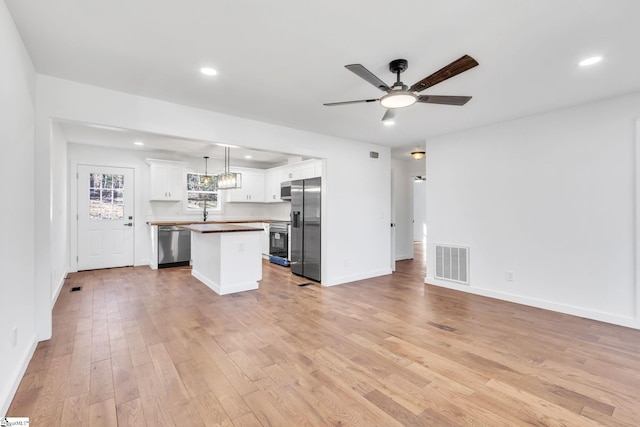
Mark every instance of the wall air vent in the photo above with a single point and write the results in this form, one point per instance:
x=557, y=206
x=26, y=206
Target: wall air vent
x=452, y=263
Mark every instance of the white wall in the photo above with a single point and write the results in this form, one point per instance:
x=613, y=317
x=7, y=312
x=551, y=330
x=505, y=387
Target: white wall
x=356, y=188
x=145, y=210
x=17, y=286
x=59, y=212
x=550, y=198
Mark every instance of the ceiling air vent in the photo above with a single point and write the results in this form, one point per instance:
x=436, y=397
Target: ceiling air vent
x=452, y=263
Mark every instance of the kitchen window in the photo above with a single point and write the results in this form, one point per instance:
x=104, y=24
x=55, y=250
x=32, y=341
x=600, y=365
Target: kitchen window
x=199, y=193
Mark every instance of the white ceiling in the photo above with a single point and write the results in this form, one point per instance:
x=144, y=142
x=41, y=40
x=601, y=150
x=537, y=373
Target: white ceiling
x=126, y=139
x=279, y=61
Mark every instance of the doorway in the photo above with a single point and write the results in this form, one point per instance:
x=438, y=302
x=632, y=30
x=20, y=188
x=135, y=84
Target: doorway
x=105, y=202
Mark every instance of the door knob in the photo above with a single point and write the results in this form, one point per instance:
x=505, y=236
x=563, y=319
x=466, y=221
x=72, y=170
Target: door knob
x=128, y=224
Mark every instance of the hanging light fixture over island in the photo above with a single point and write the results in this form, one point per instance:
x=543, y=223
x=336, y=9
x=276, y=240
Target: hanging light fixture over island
x=228, y=180
x=205, y=180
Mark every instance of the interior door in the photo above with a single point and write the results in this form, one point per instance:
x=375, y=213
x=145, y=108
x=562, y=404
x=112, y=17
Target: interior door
x=392, y=241
x=105, y=217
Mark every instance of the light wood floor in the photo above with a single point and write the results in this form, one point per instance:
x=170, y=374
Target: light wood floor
x=143, y=347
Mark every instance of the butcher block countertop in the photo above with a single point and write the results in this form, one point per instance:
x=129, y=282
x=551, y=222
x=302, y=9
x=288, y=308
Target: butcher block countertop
x=181, y=223
x=218, y=228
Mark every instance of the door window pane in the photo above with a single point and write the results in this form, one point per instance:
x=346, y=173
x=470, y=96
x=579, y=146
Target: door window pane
x=106, y=196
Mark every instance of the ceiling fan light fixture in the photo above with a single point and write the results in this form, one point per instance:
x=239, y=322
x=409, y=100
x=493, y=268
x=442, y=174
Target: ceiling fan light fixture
x=418, y=155
x=398, y=99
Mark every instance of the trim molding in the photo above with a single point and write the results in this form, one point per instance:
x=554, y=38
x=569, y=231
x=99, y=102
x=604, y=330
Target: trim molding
x=637, y=227
x=10, y=392
x=59, y=289
x=631, y=321
x=356, y=277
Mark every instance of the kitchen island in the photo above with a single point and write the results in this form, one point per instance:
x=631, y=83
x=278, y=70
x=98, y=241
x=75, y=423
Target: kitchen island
x=226, y=257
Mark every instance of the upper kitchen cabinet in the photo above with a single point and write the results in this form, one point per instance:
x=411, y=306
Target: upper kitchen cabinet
x=275, y=176
x=252, y=190
x=167, y=180
x=303, y=170
x=272, y=180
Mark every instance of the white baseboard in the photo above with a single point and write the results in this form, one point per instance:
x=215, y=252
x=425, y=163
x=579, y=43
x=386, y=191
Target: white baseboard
x=402, y=257
x=250, y=285
x=143, y=262
x=356, y=277
x=630, y=322
x=9, y=392
x=59, y=288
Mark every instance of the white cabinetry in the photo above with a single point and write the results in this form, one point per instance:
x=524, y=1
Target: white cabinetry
x=264, y=236
x=302, y=170
x=291, y=172
x=275, y=176
x=252, y=187
x=166, y=179
x=272, y=180
x=310, y=169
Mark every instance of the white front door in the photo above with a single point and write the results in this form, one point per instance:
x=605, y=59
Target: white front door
x=105, y=217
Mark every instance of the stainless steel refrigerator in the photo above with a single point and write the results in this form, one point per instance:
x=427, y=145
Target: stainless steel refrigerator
x=305, y=228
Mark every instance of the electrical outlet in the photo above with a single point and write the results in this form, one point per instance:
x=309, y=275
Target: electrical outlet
x=14, y=336
x=509, y=276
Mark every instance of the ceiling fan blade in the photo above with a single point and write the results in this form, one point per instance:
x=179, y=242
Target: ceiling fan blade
x=368, y=76
x=456, y=67
x=331, y=104
x=389, y=115
x=440, y=99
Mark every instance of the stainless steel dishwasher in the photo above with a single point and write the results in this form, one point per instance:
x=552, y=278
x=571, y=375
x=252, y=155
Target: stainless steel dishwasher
x=174, y=246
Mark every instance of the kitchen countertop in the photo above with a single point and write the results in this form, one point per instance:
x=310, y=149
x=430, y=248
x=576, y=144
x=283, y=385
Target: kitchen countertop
x=214, y=222
x=218, y=228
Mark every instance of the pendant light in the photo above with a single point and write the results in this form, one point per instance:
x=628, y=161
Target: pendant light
x=205, y=180
x=228, y=180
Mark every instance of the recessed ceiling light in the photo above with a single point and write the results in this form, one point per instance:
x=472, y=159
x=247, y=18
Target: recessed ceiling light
x=388, y=123
x=248, y=156
x=138, y=143
x=590, y=61
x=207, y=71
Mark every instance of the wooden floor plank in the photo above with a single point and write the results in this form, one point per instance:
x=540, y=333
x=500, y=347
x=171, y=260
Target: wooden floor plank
x=140, y=347
x=124, y=378
x=130, y=413
x=76, y=411
x=103, y=414
x=101, y=381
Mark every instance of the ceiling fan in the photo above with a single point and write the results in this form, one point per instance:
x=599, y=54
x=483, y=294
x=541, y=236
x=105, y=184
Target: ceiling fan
x=399, y=95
